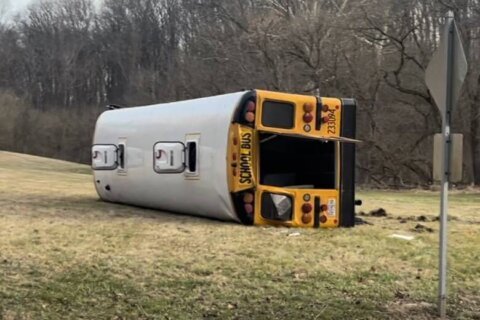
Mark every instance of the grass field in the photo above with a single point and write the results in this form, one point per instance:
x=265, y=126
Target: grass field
x=66, y=255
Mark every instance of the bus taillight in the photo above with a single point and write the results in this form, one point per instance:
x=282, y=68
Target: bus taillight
x=250, y=116
x=248, y=197
x=306, y=208
x=249, y=111
x=307, y=218
x=250, y=106
x=308, y=107
x=248, y=208
x=308, y=117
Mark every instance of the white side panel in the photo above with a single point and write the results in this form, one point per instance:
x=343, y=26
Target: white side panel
x=205, y=194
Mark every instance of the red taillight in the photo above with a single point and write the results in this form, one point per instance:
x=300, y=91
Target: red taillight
x=324, y=108
x=234, y=157
x=248, y=208
x=323, y=207
x=323, y=219
x=235, y=141
x=250, y=106
x=306, y=218
x=308, y=107
x=248, y=197
x=250, y=116
x=325, y=119
x=308, y=117
x=306, y=208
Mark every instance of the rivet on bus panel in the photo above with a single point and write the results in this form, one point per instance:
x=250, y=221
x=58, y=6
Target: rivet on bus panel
x=307, y=128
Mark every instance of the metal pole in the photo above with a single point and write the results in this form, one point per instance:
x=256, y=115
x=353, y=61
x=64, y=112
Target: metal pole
x=445, y=177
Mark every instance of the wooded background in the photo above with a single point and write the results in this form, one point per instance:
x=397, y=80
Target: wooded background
x=62, y=61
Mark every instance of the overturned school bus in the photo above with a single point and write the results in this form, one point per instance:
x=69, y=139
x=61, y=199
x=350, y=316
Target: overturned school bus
x=256, y=157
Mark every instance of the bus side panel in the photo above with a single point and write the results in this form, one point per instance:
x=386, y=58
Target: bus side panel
x=347, y=183
x=208, y=119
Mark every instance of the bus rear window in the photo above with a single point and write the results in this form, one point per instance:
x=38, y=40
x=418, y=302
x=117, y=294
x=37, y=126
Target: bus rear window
x=277, y=207
x=278, y=114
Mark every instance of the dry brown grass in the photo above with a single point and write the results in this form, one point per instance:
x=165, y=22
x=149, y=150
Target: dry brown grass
x=65, y=254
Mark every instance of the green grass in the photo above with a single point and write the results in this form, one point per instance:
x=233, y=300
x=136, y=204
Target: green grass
x=66, y=255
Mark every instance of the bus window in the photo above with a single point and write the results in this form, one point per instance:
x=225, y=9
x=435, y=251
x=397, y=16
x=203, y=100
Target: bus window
x=277, y=207
x=287, y=161
x=278, y=115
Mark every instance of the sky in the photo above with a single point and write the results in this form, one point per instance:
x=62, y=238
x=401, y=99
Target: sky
x=9, y=8
x=18, y=6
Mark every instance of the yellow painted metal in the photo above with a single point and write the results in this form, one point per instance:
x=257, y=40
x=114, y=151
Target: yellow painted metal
x=244, y=154
x=331, y=128
x=241, y=157
x=326, y=197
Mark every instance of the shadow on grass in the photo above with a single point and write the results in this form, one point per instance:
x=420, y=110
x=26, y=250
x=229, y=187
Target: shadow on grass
x=85, y=206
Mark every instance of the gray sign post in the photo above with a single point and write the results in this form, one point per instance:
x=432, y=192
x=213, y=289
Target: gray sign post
x=444, y=77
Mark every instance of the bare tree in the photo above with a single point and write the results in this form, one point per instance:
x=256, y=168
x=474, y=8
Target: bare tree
x=66, y=58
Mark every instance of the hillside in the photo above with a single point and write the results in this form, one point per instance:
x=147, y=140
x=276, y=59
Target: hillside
x=64, y=254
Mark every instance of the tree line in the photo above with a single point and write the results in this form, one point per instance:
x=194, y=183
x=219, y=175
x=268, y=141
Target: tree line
x=62, y=61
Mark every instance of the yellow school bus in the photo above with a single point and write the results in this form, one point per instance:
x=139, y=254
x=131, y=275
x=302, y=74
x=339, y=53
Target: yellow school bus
x=257, y=157
x=292, y=160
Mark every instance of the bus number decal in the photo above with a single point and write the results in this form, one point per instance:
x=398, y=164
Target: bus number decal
x=331, y=124
x=246, y=176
